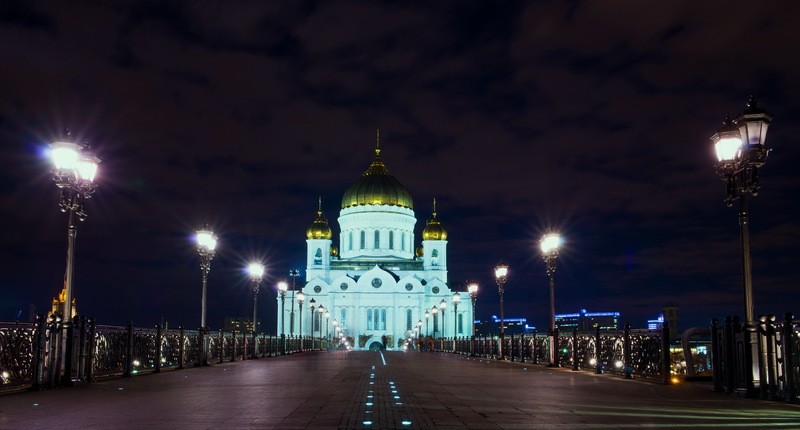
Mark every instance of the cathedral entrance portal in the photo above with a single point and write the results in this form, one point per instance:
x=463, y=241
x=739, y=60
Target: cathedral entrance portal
x=375, y=346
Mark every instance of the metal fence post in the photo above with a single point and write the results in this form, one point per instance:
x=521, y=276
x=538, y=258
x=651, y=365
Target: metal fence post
x=181, y=340
x=575, y=365
x=128, y=363
x=598, y=349
x=221, y=347
x=626, y=351
x=665, y=358
x=90, y=347
x=82, y=348
x=728, y=364
x=787, y=349
x=761, y=352
x=39, y=356
x=157, y=346
x=716, y=357
x=772, y=371
x=54, y=351
x=69, y=350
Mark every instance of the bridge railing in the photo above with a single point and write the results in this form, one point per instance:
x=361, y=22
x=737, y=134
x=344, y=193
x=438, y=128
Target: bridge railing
x=775, y=370
x=644, y=353
x=49, y=353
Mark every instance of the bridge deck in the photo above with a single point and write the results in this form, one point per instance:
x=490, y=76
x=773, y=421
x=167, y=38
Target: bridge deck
x=333, y=389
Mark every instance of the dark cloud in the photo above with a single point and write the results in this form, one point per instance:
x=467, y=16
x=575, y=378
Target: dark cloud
x=589, y=117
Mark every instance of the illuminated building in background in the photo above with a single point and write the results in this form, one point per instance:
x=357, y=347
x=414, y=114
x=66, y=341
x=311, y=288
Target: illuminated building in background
x=657, y=323
x=491, y=327
x=239, y=324
x=380, y=280
x=584, y=320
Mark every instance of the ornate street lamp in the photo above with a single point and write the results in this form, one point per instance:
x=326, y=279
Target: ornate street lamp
x=294, y=274
x=282, y=287
x=472, y=289
x=550, y=245
x=501, y=275
x=74, y=171
x=312, y=304
x=741, y=152
x=442, y=307
x=256, y=272
x=456, y=301
x=427, y=326
x=335, y=327
x=320, y=311
x=327, y=325
x=434, y=312
x=206, y=246
x=300, y=298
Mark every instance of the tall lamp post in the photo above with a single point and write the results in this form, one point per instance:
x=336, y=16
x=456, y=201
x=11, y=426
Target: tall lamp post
x=74, y=171
x=442, y=307
x=256, y=272
x=741, y=152
x=282, y=287
x=312, y=304
x=206, y=247
x=472, y=289
x=501, y=275
x=456, y=301
x=550, y=244
x=427, y=326
x=300, y=298
x=327, y=325
x=294, y=274
x=320, y=311
x=434, y=314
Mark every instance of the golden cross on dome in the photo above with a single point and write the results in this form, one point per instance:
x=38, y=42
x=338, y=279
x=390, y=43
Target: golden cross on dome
x=319, y=206
x=434, y=207
x=378, y=143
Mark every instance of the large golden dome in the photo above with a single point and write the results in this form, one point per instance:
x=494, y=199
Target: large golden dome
x=320, y=228
x=433, y=229
x=377, y=187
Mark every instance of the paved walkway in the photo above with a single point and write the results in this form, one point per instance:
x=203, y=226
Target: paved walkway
x=390, y=390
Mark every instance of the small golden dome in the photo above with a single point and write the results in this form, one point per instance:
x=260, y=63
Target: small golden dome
x=433, y=229
x=377, y=187
x=420, y=252
x=320, y=228
x=334, y=251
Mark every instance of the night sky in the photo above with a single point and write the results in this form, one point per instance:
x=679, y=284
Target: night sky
x=589, y=117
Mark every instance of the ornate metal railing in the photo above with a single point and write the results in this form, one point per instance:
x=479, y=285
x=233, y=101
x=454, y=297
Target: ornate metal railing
x=641, y=353
x=48, y=353
x=772, y=371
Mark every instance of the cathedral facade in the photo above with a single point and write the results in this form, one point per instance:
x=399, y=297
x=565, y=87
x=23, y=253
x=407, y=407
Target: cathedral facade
x=376, y=284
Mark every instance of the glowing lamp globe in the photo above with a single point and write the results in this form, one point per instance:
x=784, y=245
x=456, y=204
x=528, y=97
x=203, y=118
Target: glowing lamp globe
x=550, y=243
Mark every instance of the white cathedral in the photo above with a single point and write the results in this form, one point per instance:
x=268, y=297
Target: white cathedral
x=376, y=285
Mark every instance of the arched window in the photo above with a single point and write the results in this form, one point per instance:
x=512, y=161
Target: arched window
x=363, y=239
x=435, y=323
x=383, y=319
x=435, y=258
x=369, y=319
x=391, y=240
x=460, y=323
x=408, y=319
x=403, y=241
x=318, y=256
x=343, y=321
x=377, y=239
x=350, y=241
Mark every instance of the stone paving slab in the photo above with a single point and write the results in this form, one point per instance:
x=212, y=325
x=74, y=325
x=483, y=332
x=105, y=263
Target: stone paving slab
x=328, y=390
